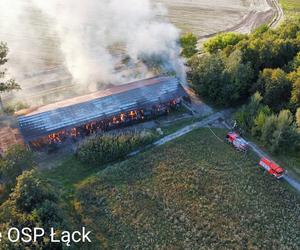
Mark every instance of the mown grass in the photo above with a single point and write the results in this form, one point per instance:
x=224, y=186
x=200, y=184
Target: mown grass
x=290, y=5
x=194, y=192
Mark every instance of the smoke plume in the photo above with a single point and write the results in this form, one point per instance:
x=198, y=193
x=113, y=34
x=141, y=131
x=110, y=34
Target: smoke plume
x=98, y=41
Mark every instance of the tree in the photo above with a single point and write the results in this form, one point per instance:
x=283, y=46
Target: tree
x=189, y=44
x=294, y=77
x=244, y=116
x=208, y=78
x=31, y=190
x=285, y=136
x=33, y=203
x=295, y=64
x=275, y=86
x=268, y=129
x=6, y=85
x=260, y=120
x=260, y=30
x=241, y=76
x=14, y=162
x=222, y=41
x=298, y=118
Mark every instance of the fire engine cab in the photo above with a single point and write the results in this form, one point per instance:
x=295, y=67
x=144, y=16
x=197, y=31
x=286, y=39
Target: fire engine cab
x=272, y=168
x=238, y=142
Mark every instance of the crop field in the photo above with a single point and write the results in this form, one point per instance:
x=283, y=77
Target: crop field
x=193, y=192
x=204, y=17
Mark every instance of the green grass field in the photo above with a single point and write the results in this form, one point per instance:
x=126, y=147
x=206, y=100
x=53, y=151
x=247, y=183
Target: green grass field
x=290, y=5
x=195, y=192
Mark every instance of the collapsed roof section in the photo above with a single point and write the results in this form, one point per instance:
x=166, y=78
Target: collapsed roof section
x=100, y=105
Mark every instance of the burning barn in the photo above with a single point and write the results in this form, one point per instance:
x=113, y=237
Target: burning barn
x=76, y=118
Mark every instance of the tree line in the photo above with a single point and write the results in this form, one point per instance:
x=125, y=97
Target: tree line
x=261, y=69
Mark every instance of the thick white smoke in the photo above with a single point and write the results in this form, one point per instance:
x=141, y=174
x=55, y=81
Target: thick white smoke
x=98, y=37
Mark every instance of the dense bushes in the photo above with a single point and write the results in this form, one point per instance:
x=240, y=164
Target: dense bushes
x=110, y=147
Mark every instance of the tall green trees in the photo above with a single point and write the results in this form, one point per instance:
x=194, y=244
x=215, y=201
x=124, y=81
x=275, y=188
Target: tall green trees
x=298, y=118
x=274, y=86
x=6, y=85
x=208, y=76
x=239, y=65
x=294, y=77
x=223, y=81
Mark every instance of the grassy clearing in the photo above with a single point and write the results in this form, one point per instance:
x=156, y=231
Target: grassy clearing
x=190, y=193
x=290, y=5
x=172, y=128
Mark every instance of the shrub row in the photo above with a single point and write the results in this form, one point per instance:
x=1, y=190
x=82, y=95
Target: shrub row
x=110, y=147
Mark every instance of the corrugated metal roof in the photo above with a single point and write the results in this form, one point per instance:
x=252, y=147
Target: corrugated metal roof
x=119, y=99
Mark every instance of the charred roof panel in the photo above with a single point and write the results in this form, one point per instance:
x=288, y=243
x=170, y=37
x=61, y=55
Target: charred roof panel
x=131, y=96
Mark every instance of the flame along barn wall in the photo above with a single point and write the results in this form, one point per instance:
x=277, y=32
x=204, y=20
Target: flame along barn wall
x=55, y=140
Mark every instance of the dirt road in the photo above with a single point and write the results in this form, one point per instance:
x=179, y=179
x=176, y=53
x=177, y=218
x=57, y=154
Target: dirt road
x=261, y=12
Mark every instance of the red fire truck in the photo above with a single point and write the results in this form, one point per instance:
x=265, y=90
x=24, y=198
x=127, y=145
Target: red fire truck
x=238, y=142
x=271, y=167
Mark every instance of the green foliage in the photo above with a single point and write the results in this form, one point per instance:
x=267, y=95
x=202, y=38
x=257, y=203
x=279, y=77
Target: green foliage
x=33, y=203
x=294, y=64
x=3, y=53
x=298, y=117
x=12, y=164
x=31, y=191
x=277, y=132
x=188, y=43
x=243, y=65
x=208, y=76
x=12, y=108
x=223, y=82
x=275, y=86
x=260, y=30
x=240, y=76
x=285, y=137
x=5, y=85
x=260, y=120
x=244, y=116
x=268, y=129
x=290, y=5
x=222, y=41
x=294, y=77
x=109, y=147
